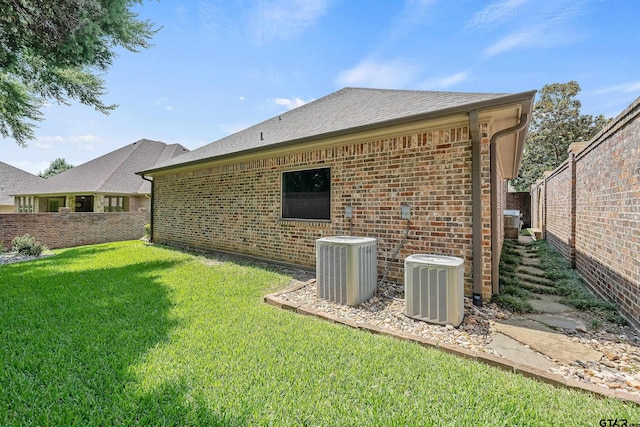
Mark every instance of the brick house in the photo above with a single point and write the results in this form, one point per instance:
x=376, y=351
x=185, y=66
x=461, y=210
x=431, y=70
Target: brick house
x=13, y=180
x=346, y=164
x=105, y=184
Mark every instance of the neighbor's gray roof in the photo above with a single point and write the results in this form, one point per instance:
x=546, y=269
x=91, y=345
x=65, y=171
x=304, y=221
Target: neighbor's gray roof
x=112, y=173
x=344, y=111
x=13, y=180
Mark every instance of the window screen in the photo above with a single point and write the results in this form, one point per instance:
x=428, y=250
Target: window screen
x=306, y=194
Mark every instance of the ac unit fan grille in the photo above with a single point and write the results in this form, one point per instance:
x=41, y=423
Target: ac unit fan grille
x=346, y=273
x=434, y=288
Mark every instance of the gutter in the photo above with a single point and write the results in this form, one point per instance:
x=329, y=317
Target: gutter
x=493, y=163
x=150, y=208
x=476, y=205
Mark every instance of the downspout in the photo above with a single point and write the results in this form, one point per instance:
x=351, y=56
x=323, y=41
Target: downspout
x=495, y=255
x=476, y=205
x=150, y=209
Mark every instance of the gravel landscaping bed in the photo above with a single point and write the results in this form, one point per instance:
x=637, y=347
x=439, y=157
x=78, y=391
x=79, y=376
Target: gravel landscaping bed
x=618, y=369
x=11, y=257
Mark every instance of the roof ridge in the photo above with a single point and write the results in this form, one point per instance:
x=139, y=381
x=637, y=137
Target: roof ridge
x=112, y=173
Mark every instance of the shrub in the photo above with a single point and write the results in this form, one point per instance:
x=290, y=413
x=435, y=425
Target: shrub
x=27, y=245
x=147, y=231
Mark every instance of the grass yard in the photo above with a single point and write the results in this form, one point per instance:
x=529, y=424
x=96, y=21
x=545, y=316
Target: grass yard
x=131, y=334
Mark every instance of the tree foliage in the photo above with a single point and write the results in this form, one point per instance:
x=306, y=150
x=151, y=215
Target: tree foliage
x=55, y=167
x=56, y=50
x=556, y=124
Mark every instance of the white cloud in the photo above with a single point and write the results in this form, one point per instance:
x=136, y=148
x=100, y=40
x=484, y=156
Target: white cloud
x=623, y=87
x=524, y=38
x=83, y=139
x=290, y=103
x=80, y=142
x=163, y=103
x=284, y=19
x=368, y=73
x=241, y=98
x=53, y=139
x=445, y=82
x=495, y=13
x=414, y=13
x=541, y=24
x=552, y=33
x=42, y=146
x=84, y=142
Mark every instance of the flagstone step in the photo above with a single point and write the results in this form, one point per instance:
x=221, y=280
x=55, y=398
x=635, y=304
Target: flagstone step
x=531, y=270
x=549, y=304
x=539, y=289
x=531, y=261
x=533, y=279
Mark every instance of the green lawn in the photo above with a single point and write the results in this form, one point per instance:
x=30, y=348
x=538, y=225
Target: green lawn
x=129, y=334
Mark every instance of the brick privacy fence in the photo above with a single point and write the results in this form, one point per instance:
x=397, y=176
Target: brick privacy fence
x=63, y=230
x=237, y=206
x=589, y=209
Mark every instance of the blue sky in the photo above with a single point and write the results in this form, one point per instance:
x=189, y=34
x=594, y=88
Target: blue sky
x=219, y=66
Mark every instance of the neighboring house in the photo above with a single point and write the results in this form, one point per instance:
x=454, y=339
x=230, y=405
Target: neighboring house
x=105, y=184
x=347, y=164
x=13, y=180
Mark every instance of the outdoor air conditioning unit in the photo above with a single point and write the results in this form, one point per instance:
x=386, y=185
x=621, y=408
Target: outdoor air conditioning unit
x=346, y=269
x=434, y=288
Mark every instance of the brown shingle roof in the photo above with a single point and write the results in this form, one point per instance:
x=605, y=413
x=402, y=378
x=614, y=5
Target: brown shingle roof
x=12, y=181
x=112, y=173
x=344, y=111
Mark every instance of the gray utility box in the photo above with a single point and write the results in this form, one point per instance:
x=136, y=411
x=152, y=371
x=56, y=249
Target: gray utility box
x=511, y=224
x=346, y=268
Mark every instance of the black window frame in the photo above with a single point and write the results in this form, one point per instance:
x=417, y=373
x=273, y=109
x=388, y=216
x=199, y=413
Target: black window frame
x=297, y=188
x=84, y=203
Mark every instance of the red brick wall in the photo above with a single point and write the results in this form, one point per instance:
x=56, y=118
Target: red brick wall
x=606, y=231
x=537, y=205
x=237, y=207
x=62, y=230
x=558, y=210
x=608, y=212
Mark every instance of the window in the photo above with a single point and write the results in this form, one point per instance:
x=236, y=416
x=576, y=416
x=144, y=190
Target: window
x=84, y=203
x=55, y=203
x=25, y=204
x=306, y=194
x=116, y=204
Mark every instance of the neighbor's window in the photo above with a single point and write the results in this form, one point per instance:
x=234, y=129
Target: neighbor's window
x=306, y=194
x=55, y=203
x=116, y=203
x=25, y=204
x=84, y=203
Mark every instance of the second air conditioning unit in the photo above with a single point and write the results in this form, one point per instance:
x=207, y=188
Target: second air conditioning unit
x=434, y=288
x=346, y=268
